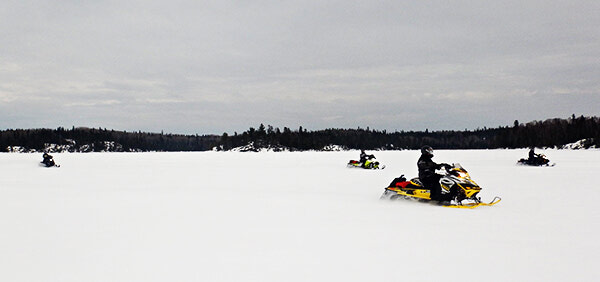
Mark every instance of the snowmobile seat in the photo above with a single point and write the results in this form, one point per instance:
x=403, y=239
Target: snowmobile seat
x=402, y=184
x=398, y=182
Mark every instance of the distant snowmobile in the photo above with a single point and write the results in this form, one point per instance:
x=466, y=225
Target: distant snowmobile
x=456, y=177
x=48, y=161
x=539, y=160
x=369, y=163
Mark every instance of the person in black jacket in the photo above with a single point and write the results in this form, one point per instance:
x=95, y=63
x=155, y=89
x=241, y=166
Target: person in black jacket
x=364, y=157
x=535, y=159
x=48, y=160
x=532, y=154
x=429, y=178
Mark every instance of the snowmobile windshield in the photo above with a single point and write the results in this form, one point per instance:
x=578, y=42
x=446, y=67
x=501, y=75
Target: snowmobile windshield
x=457, y=165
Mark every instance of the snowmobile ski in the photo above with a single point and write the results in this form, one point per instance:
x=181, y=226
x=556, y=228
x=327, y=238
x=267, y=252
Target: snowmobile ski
x=474, y=205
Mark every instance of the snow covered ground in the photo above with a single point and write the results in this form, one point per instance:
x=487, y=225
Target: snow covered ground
x=292, y=216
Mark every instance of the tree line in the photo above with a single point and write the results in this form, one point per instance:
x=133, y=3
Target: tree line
x=82, y=139
x=549, y=133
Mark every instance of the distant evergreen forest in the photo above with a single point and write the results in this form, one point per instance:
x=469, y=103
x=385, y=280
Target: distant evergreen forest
x=83, y=139
x=549, y=133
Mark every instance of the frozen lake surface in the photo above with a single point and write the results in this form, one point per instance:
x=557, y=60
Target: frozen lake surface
x=301, y=216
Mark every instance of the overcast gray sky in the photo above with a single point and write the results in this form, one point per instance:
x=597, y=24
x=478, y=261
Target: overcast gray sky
x=223, y=66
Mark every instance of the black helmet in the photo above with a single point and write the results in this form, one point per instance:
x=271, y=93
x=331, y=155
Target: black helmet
x=427, y=150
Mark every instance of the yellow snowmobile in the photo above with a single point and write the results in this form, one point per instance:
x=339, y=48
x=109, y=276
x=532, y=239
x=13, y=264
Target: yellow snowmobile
x=456, y=177
x=369, y=163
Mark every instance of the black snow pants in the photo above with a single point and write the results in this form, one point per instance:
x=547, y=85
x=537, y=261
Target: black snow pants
x=433, y=184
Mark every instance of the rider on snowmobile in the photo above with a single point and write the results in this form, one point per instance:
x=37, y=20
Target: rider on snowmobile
x=532, y=154
x=364, y=157
x=48, y=160
x=535, y=158
x=429, y=178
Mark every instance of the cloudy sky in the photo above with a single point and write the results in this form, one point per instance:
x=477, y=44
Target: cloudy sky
x=223, y=66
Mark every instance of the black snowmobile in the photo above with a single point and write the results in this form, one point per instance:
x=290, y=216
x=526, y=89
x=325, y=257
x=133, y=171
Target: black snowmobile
x=455, y=177
x=538, y=160
x=48, y=161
